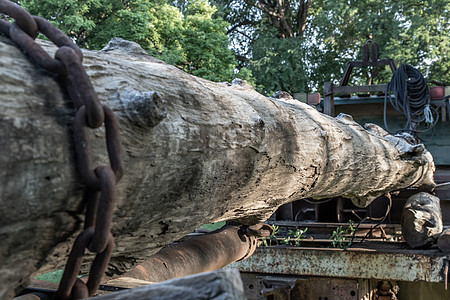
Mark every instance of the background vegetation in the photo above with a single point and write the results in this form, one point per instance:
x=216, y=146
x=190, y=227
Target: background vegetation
x=290, y=45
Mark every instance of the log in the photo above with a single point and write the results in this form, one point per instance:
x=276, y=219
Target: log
x=421, y=220
x=194, y=152
x=221, y=284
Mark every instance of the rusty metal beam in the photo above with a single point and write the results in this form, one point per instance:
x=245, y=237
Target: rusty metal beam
x=203, y=253
x=393, y=264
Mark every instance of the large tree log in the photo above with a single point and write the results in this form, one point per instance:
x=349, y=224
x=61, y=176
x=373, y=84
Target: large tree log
x=195, y=152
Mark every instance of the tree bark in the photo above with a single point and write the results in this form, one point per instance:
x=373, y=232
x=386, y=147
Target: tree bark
x=421, y=220
x=195, y=152
x=220, y=284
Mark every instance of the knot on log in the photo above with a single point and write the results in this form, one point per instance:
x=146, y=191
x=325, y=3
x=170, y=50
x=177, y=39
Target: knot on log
x=346, y=119
x=143, y=108
x=123, y=47
x=242, y=83
x=282, y=95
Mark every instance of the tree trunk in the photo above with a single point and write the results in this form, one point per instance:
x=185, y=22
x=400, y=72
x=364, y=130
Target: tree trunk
x=195, y=152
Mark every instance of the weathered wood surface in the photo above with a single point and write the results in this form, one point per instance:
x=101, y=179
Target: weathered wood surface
x=216, y=285
x=421, y=220
x=220, y=152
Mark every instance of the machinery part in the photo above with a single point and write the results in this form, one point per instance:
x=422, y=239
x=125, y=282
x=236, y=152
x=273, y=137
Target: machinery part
x=386, y=290
x=365, y=62
x=197, y=254
x=443, y=241
x=282, y=287
x=100, y=181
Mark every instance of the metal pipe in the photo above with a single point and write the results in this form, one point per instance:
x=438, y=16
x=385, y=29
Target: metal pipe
x=203, y=253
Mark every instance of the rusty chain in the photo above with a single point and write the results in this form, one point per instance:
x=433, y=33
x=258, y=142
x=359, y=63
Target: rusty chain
x=100, y=181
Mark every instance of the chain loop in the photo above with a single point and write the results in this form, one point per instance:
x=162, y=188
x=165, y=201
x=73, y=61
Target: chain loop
x=27, y=44
x=113, y=145
x=73, y=264
x=4, y=27
x=105, y=209
x=100, y=193
x=70, y=284
x=99, y=265
x=56, y=35
x=21, y=16
x=85, y=93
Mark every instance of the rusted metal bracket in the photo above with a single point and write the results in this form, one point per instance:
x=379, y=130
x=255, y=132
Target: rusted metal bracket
x=374, y=61
x=366, y=62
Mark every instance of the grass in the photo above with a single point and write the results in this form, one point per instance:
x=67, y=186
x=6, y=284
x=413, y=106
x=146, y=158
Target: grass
x=213, y=226
x=54, y=276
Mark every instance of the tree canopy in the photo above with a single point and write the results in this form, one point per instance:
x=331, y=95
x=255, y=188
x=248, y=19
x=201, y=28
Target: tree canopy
x=297, y=45
x=190, y=38
x=290, y=45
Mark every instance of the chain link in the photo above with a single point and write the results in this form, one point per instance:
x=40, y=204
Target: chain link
x=100, y=181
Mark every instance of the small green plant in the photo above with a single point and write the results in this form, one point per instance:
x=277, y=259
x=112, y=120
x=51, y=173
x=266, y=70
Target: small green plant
x=339, y=236
x=295, y=237
x=272, y=239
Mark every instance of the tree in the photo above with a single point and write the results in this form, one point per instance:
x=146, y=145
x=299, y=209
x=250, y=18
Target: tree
x=190, y=39
x=408, y=31
x=327, y=34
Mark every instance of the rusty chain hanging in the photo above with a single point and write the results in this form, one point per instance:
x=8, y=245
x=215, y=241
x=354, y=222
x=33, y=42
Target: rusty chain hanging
x=100, y=181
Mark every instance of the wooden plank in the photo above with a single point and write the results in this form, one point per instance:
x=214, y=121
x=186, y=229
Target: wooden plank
x=221, y=284
x=360, y=89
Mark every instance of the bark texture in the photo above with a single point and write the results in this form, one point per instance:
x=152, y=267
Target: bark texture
x=421, y=220
x=217, y=285
x=195, y=152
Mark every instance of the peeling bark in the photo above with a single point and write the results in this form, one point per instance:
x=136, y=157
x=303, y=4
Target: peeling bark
x=195, y=152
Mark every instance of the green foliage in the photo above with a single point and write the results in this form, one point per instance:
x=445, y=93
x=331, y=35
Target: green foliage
x=272, y=239
x=205, y=44
x=277, y=64
x=408, y=31
x=339, y=236
x=413, y=32
x=295, y=237
x=190, y=38
x=192, y=34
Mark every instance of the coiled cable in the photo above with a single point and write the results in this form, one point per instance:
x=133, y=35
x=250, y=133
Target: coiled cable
x=410, y=97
